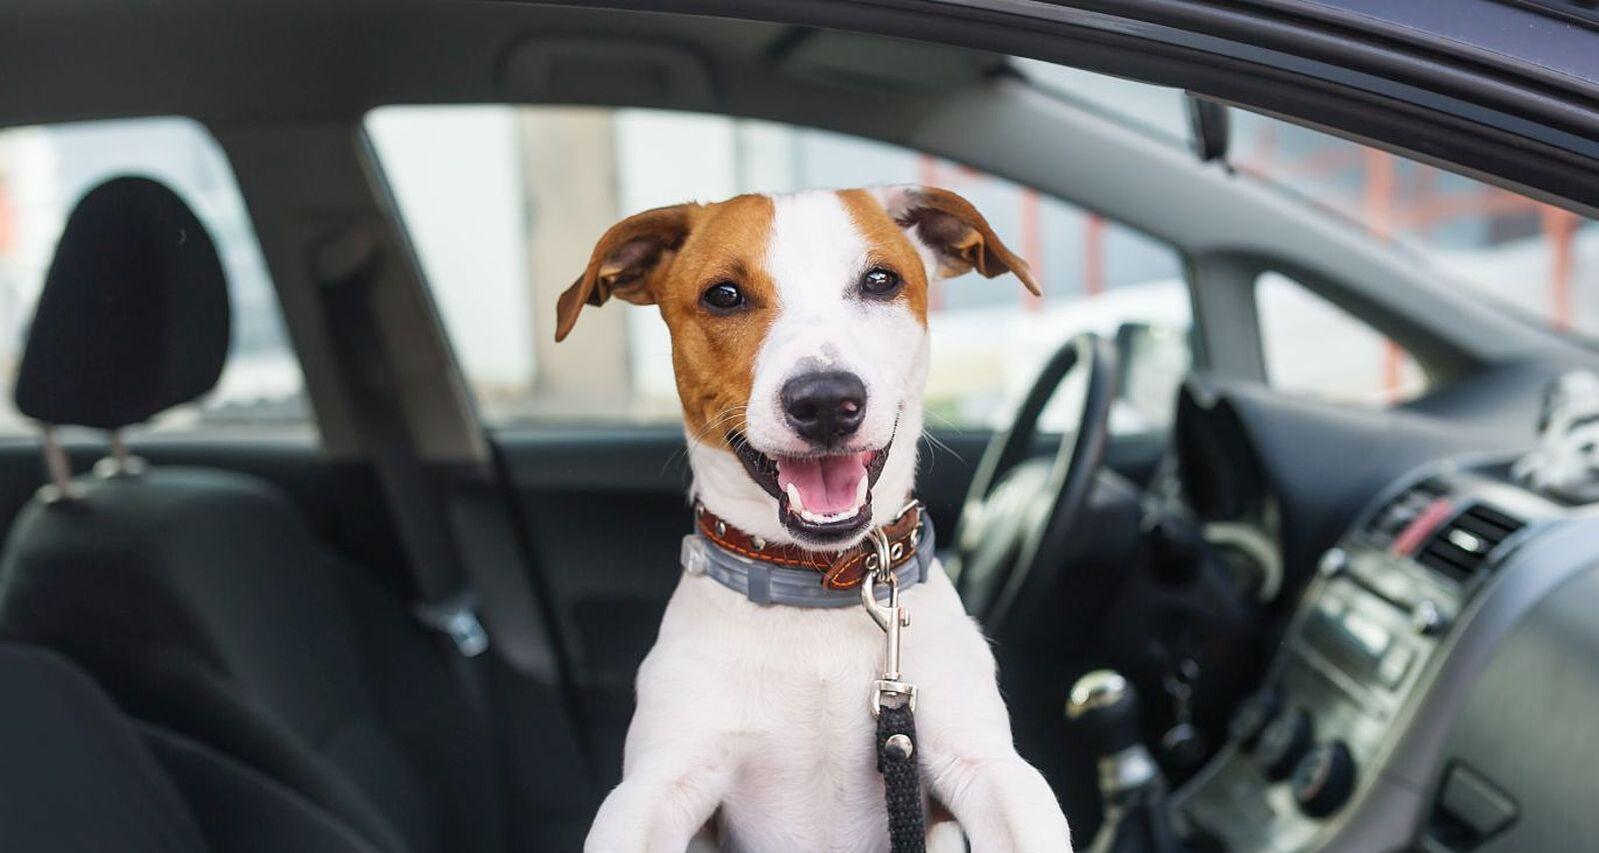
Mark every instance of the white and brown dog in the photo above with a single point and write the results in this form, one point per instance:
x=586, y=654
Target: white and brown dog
x=800, y=345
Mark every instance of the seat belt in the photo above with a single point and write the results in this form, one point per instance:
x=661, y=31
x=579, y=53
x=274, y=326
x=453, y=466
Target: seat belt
x=446, y=603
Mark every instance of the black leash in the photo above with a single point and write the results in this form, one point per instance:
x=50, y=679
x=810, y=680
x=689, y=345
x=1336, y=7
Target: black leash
x=893, y=704
x=902, y=787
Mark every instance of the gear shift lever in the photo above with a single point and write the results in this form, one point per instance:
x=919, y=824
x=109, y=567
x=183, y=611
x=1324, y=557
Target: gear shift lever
x=1105, y=706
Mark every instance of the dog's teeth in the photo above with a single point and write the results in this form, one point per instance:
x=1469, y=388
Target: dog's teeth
x=860, y=492
x=794, y=502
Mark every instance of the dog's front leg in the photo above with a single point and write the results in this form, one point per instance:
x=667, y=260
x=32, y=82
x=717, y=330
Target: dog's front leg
x=969, y=759
x=1002, y=804
x=656, y=811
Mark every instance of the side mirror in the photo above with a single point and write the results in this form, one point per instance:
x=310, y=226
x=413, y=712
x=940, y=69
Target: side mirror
x=1154, y=359
x=1208, y=126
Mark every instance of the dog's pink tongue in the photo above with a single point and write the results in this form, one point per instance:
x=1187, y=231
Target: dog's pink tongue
x=827, y=485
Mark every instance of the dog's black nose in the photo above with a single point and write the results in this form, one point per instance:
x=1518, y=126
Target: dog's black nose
x=824, y=406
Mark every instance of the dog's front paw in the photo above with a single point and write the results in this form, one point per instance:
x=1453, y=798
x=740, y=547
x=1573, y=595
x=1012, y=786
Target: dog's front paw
x=645, y=817
x=614, y=837
x=1005, y=806
x=623, y=824
x=1040, y=833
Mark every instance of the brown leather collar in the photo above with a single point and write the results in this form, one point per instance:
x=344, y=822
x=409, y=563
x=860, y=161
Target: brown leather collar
x=839, y=570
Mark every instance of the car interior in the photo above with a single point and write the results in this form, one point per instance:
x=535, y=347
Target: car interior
x=385, y=616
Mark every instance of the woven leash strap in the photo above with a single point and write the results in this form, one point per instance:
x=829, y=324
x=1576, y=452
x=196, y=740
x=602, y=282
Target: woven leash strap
x=902, y=790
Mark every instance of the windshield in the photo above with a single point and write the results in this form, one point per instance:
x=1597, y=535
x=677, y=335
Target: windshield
x=1540, y=261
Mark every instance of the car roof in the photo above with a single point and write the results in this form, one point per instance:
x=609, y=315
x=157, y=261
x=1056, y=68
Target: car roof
x=253, y=60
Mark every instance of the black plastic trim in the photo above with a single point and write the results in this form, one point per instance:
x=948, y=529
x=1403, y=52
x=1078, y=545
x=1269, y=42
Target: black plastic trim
x=1535, y=132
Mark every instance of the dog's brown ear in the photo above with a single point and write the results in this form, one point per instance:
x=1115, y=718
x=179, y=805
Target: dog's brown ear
x=958, y=235
x=627, y=263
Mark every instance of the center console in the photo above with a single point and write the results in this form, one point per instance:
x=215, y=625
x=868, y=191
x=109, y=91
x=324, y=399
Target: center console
x=1356, y=659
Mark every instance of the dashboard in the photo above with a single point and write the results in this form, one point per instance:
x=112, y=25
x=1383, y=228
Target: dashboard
x=1434, y=687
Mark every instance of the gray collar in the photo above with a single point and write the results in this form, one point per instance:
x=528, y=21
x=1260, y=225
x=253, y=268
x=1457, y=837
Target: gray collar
x=765, y=583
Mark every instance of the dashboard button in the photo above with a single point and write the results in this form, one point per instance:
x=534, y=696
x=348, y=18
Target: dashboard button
x=1252, y=716
x=1394, y=665
x=1283, y=742
x=1324, y=779
x=1372, y=638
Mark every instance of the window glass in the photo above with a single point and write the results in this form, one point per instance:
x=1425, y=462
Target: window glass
x=1314, y=347
x=1156, y=110
x=45, y=170
x=1540, y=261
x=505, y=203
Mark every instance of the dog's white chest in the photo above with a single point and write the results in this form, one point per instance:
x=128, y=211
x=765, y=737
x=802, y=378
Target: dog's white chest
x=784, y=691
x=756, y=718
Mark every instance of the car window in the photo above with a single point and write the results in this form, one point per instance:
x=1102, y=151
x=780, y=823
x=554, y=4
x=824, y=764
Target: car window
x=505, y=203
x=1538, y=261
x=1313, y=347
x=44, y=170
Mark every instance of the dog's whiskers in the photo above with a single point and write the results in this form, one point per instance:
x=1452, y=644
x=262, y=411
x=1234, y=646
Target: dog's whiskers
x=941, y=444
x=711, y=429
x=944, y=446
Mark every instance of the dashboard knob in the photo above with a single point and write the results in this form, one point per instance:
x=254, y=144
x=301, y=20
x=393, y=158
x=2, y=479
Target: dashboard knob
x=1427, y=619
x=1324, y=779
x=1332, y=562
x=1282, y=743
x=1105, y=706
x=1252, y=716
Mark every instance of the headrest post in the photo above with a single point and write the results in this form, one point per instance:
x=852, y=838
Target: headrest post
x=56, y=464
x=121, y=462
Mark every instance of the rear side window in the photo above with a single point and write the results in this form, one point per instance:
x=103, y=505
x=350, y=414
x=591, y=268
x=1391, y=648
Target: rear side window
x=44, y=170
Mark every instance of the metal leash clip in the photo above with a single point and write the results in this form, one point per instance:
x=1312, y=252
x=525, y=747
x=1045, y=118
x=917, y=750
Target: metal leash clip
x=888, y=691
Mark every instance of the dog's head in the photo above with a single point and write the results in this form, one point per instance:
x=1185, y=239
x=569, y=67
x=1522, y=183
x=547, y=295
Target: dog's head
x=799, y=341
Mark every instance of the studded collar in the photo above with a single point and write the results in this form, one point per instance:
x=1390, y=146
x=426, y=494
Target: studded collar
x=769, y=573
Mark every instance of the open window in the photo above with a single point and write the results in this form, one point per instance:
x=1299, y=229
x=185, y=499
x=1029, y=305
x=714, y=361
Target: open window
x=504, y=204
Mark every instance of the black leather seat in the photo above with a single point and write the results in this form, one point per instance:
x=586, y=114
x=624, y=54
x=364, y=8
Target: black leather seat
x=77, y=775
x=197, y=597
x=81, y=777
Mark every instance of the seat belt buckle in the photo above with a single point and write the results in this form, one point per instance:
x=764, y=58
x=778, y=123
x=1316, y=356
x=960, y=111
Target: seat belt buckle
x=456, y=618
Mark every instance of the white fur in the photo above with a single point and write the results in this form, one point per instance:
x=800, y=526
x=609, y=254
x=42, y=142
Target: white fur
x=758, y=715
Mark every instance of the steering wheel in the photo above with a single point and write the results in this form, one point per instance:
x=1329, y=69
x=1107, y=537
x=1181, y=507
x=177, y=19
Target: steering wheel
x=1020, y=517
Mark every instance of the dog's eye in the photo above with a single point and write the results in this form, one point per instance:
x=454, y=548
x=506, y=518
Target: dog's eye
x=723, y=296
x=880, y=282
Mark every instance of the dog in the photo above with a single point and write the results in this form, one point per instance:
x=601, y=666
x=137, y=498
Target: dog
x=799, y=342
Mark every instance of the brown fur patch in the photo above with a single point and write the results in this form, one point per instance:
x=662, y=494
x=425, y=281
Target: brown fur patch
x=961, y=236
x=890, y=248
x=713, y=355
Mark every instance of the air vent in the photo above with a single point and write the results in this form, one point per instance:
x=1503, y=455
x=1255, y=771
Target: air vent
x=1460, y=547
x=1397, y=515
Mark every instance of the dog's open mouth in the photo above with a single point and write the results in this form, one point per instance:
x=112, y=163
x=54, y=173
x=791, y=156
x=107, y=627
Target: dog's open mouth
x=821, y=497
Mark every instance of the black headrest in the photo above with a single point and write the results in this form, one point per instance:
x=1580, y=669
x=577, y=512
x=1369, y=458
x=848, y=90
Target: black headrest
x=134, y=314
